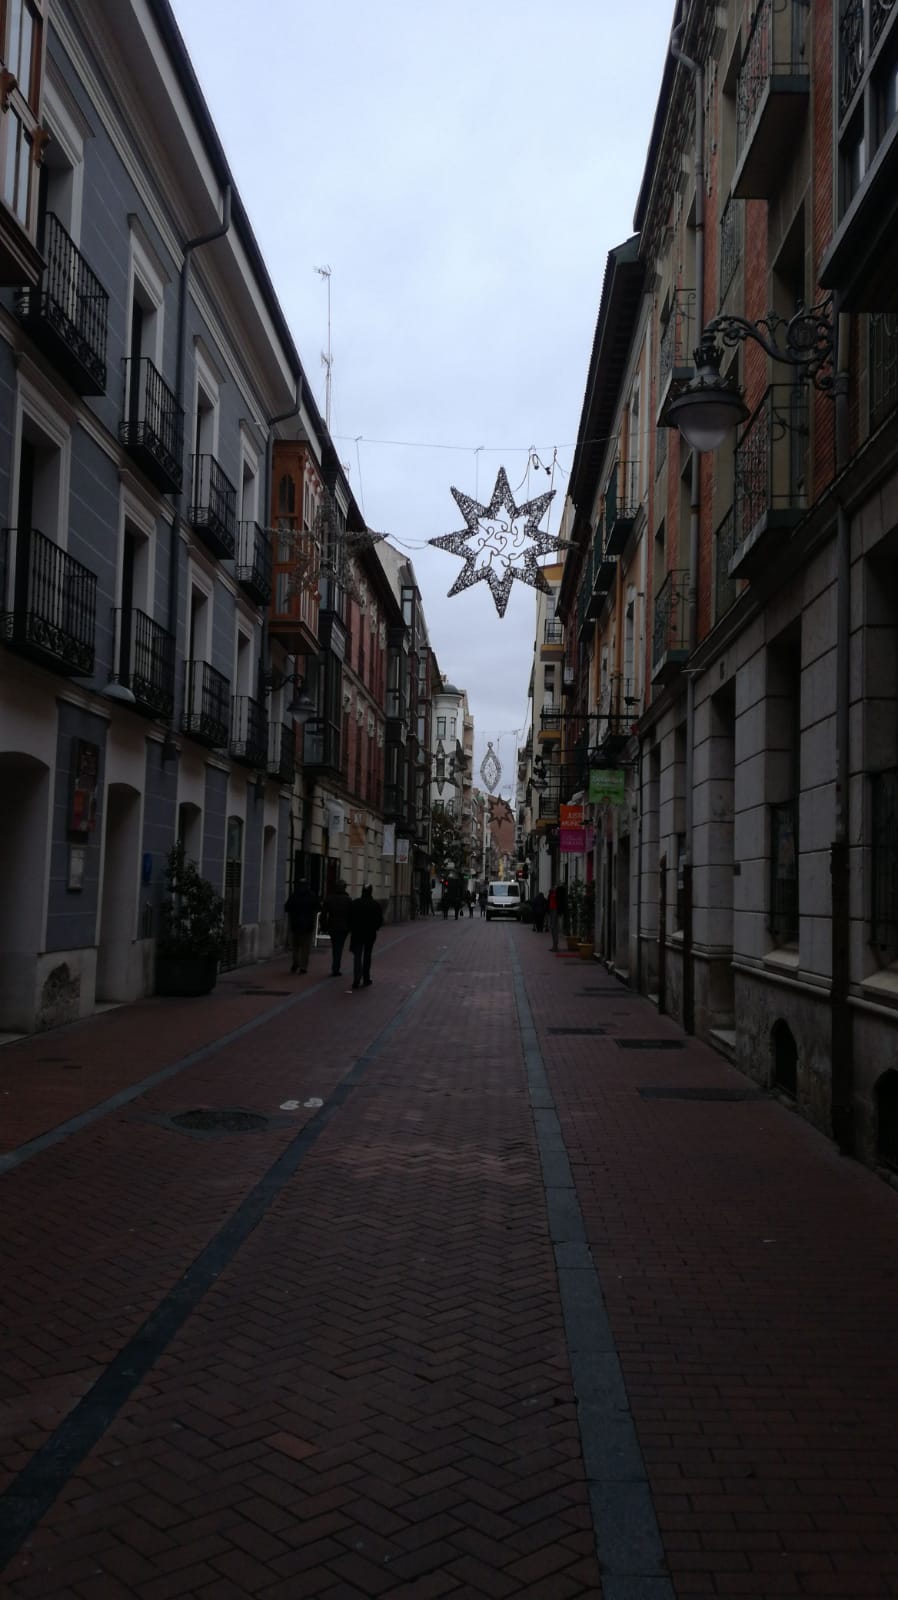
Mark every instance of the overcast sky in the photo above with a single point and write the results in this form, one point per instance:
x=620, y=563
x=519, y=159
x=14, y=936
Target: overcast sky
x=463, y=170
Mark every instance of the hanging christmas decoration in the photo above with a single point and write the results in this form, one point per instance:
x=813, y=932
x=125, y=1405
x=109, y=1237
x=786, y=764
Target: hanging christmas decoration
x=490, y=769
x=497, y=537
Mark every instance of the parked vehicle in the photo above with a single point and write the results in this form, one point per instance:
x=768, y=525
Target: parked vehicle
x=503, y=900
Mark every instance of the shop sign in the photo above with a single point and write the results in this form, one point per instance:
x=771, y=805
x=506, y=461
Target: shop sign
x=607, y=786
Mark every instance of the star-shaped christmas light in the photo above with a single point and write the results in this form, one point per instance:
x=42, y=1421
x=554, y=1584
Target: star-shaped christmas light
x=498, y=536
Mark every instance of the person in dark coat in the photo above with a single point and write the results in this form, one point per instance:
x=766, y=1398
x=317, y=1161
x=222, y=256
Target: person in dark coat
x=540, y=907
x=302, y=909
x=365, y=917
x=335, y=923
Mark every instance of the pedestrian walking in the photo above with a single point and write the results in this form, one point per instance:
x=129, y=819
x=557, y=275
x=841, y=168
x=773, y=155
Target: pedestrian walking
x=335, y=923
x=302, y=908
x=444, y=905
x=540, y=907
x=481, y=900
x=469, y=898
x=365, y=917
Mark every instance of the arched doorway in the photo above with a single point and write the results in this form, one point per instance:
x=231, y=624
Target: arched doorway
x=24, y=824
x=121, y=886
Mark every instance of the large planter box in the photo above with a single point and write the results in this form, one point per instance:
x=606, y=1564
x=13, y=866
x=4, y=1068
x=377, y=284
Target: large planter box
x=186, y=975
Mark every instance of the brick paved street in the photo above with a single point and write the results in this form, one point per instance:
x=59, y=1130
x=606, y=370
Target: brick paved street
x=488, y=1306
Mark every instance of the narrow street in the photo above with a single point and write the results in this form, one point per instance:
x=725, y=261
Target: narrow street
x=504, y=1288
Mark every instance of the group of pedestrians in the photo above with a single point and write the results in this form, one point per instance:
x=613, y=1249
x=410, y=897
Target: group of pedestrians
x=341, y=918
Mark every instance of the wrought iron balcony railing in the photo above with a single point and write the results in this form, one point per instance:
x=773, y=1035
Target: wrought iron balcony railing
x=620, y=506
x=152, y=426
x=679, y=336
x=770, y=462
x=282, y=751
x=49, y=602
x=731, y=234
x=553, y=632
x=671, y=631
x=550, y=720
x=212, y=511
x=771, y=91
x=726, y=589
x=207, y=705
x=252, y=566
x=249, y=731
x=147, y=663
x=67, y=313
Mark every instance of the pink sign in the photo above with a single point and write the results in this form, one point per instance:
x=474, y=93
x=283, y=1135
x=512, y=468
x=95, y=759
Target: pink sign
x=573, y=840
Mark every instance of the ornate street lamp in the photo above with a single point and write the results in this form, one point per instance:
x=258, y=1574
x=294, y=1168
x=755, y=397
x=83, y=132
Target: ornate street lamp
x=709, y=406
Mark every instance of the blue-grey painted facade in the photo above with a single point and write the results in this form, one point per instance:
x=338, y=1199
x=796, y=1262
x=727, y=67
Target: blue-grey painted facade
x=71, y=913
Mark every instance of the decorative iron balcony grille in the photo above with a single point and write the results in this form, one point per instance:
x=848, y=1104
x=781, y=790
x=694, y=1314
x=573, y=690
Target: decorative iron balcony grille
x=152, y=427
x=249, y=731
x=282, y=752
x=207, y=697
x=67, y=313
x=49, y=600
x=147, y=657
x=678, y=337
x=730, y=243
x=212, y=511
x=671, y=630
x=726, y=589
x=851, y=49
x=784, y=871
x=770, y=458
x=621, y=505
x=252, y=567
x=553, y=632
x=775, y=47
x=884, y=864
x=550, y=719
x=548, y=805
x=883, y=365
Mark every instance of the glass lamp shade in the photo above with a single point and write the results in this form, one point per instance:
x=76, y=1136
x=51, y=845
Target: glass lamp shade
x=707, y=411
x=301, y=707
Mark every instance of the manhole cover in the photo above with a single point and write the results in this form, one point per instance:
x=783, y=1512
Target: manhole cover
x=651, y=1044
x=675, y=1093
x=576, y=1030
x=229, y=1121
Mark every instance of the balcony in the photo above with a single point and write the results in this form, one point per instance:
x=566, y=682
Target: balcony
x=321, y=747
x=147, y=663
x=67, y=313
x=550, y=725
x=213, y=508
x=731, y=245
x=396, y=728
x=726, y=589
x=252, y=563
x=207, y=705
x=552, y=643
x=770, y=465
x=152, y=428
x=248, y=742
x=621, y=505
x=548, y=809
x=296, y=568
x=281, y=751
x=617, y=710
x=50, y=602
x=670, y=639
x=678, y=338
x=772, y=96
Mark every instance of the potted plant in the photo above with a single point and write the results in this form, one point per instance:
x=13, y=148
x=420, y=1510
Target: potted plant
x=191, y=941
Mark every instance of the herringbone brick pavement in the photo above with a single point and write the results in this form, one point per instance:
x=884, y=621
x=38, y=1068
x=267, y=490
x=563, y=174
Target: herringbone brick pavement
x=374, y=1396
x=749, y=1276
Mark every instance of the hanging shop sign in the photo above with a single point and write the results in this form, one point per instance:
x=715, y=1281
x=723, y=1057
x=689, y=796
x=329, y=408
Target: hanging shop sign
x=572, y=831
x=357, y=833
x=389, y=848
x=607, y=785
x=401, y=852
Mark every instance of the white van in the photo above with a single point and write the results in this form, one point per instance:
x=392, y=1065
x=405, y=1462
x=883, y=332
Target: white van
x=503, y=900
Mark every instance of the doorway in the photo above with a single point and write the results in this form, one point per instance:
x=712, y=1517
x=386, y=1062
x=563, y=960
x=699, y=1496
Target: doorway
x=118, y=910
x=24, y=808
x=233, y=892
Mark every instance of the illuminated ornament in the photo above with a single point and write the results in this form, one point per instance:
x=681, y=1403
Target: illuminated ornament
x=496, y=539
x=490, y=770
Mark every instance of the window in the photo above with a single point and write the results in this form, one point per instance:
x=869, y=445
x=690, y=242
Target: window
x=441, y=727
x=452, y=726
x=783, y=709
x=867, y=90
x=22, y=46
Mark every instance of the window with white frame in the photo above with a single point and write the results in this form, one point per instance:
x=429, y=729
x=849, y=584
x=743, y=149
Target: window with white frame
x=23, y=47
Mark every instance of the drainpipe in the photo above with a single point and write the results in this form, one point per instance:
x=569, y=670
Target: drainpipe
x=180, y=383
x=698, y=78
x=841, y=1056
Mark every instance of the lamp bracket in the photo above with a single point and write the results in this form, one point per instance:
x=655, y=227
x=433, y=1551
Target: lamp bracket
x=804, y=341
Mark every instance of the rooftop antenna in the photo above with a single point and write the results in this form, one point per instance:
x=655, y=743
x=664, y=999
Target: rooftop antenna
x=327, y=358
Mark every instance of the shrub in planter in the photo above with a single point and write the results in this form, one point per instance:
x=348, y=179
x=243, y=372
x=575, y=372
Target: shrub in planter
x=191, y=940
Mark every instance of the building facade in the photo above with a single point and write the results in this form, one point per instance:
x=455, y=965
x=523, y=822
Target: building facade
x=752, y=851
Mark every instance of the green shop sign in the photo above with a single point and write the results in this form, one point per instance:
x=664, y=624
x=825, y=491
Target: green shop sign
x=607, y=785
